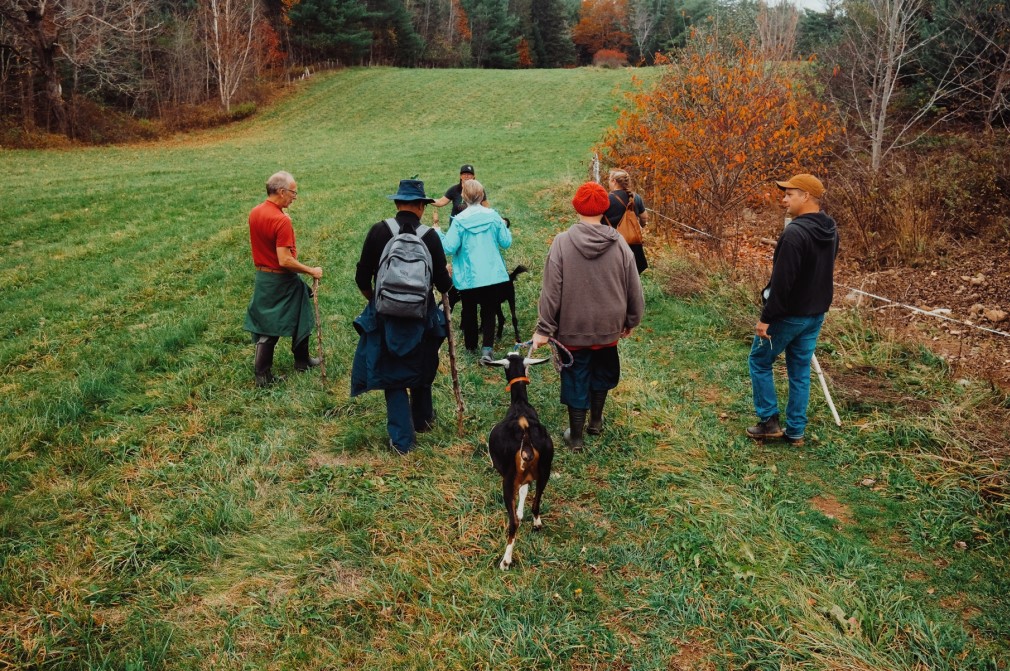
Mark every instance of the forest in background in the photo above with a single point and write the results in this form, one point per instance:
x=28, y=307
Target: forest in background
x=68, y=66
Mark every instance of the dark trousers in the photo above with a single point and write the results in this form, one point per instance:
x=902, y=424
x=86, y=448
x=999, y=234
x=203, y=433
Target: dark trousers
x=406, y=412
x=591, y=370
x=488, y=299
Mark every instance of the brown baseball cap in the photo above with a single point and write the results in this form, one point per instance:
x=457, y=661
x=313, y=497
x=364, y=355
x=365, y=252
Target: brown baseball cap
x=804, y=182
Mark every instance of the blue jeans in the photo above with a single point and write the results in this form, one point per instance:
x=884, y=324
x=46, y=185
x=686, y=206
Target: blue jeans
x=404, y=413
x=797, y=337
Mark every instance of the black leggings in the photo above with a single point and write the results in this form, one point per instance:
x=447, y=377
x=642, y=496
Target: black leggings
x=489, y=299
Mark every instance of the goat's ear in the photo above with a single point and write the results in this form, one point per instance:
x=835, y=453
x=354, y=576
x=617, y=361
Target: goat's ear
x=533, y=362
x=498, y=362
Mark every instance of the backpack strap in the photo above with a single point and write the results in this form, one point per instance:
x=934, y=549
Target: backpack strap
x=394, y=227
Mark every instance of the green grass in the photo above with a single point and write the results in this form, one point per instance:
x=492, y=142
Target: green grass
x=159, y=512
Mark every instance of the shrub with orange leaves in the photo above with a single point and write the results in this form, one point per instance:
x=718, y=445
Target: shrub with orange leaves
x=719, y=124
x=610, y=58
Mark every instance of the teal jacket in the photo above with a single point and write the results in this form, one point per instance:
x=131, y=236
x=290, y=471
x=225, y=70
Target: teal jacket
x=473, y=240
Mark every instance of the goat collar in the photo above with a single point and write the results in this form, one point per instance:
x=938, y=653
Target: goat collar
x=525, y=379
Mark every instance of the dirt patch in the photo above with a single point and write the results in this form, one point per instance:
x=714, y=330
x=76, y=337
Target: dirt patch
x=865, y=386
x=692, y=656
x=970, y=285
x=830, y=507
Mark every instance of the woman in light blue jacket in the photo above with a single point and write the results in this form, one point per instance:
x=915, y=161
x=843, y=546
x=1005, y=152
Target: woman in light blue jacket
x=478, y=271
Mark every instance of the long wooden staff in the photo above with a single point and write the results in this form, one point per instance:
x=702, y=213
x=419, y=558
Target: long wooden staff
x=452, y=365
x=319, y=329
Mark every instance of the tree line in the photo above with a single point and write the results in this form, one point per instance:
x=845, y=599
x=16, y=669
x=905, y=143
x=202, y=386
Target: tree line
x=903, y=103
x=65, y=64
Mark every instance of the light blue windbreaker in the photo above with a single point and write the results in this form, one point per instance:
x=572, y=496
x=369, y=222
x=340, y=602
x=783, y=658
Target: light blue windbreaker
x=473, y=240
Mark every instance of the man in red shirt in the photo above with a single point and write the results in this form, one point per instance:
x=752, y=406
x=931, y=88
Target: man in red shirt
x=281, y=303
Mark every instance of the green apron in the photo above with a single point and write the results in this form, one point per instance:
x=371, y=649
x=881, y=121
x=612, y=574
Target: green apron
x=281, y=306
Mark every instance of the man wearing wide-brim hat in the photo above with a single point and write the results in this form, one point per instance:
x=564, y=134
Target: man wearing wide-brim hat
x=795, y=301
x=400, y=355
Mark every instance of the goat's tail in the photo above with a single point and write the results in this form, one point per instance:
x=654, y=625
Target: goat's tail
x=525, y=442
x=519, y=270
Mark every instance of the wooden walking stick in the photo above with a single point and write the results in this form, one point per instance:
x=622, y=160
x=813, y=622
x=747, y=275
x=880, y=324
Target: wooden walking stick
x=319, y=329
x=452, y=365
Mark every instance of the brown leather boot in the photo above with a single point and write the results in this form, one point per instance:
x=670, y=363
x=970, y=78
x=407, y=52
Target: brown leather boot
x=767, y=429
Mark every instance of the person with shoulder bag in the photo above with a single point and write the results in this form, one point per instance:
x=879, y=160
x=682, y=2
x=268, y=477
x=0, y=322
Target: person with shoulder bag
x=627, y=214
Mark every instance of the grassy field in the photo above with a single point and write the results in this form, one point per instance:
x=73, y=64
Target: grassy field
x=157, y=511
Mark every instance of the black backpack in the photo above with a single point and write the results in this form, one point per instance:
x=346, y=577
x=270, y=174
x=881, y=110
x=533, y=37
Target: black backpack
x=403, y=280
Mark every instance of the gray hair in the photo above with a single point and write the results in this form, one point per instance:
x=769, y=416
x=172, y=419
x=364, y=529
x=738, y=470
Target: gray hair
x=473, y=192
x=279, y=180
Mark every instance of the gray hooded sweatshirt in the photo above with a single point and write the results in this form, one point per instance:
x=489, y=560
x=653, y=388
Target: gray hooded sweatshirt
x=591, y=291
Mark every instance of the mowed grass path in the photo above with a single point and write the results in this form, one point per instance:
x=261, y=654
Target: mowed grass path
x=159, y=512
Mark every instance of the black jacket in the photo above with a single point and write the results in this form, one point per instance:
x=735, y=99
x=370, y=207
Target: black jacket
x=376, y=241
x=803, y=269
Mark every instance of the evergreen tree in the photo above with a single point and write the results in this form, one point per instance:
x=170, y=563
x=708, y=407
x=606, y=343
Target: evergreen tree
x=394, y=39
x=552, y=34
x=323, y=29
x=818, y=32
x=495, y=34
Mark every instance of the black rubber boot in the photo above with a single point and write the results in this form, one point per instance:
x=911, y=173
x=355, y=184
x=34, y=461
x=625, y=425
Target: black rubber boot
x=597, y=399
x=302, y=359
x=576, y=424
x=264, y=361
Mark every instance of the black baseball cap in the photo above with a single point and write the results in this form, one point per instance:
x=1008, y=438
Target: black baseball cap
x=466, y=167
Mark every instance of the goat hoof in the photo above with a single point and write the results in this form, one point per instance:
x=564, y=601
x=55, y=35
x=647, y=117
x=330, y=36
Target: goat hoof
x=504, y=566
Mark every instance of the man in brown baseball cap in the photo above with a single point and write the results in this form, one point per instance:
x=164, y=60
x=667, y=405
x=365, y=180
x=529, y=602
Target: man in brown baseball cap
x=795, y=301
x=806, y=183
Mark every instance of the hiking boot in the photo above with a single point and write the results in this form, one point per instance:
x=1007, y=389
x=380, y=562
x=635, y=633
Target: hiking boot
x=767, y=429
x=795, y=442
x=312, y=362
x=597, y=399
x=486, y=354
x=576, y=424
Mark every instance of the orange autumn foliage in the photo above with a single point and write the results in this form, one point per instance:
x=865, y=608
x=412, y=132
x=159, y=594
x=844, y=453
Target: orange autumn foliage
x=602, y=25
x=718, y=126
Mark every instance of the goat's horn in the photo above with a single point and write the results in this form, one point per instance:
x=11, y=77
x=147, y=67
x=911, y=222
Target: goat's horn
x=498, y=362
x=533, y=362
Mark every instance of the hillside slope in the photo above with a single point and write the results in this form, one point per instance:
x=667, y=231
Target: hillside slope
x=157, y=511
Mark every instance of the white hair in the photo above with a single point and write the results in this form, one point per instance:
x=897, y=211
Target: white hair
x=279, y=180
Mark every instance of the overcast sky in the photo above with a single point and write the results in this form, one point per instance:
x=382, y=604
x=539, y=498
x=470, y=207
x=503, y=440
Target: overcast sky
x=810, y=4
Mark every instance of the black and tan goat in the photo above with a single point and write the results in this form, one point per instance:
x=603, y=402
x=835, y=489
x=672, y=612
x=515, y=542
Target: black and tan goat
x=521, y=449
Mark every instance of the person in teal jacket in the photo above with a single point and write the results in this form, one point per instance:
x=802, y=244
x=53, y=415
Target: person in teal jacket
x=478, y=270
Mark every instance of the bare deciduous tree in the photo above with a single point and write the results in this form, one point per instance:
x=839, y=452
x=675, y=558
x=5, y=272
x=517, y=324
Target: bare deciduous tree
x=882, y=46
x=644, y=17
x=776, y=29
x=230, y=26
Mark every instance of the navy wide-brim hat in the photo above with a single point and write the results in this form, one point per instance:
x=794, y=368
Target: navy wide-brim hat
x=411, y=190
